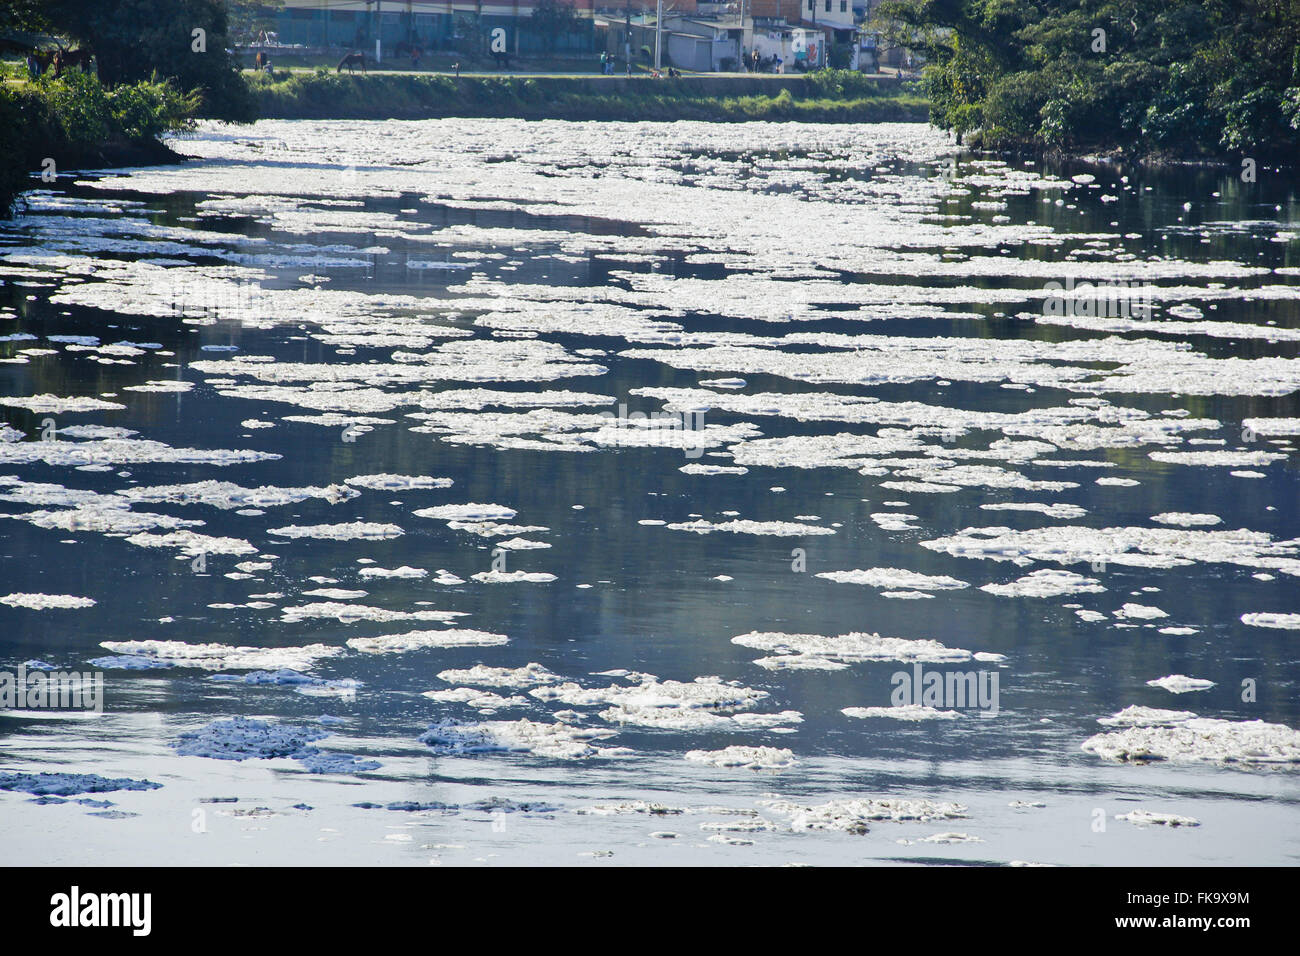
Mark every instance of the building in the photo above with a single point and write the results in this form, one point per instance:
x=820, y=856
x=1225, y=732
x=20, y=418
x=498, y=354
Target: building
x=698, y=35
x=398, y=25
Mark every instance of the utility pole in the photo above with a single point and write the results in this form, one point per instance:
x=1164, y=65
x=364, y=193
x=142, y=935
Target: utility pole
x=627, y=37
x=659, y=33
x=743, y=65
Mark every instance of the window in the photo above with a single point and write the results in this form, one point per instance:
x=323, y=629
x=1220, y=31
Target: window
x=810, y=5
x=828, y=6
x=844, y=6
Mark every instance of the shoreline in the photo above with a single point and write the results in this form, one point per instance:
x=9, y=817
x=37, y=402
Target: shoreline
x=835, y=98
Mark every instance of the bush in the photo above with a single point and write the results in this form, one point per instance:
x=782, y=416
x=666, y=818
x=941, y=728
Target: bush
x=73, y=119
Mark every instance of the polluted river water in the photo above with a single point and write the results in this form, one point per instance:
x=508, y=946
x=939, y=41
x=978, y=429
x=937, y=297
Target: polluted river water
x=476, y=492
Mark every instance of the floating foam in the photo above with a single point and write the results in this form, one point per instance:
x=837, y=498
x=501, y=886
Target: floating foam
x=909, y=712
x=44, y=602
x=1186, y=519
x=403, y=572
x=747, y=758
x=1289, y=622
x=420, y=640
x=1157, y=818
x=368, y=530
x=1046, y=583
x=220, y=657
x=779, y=529
x=467, y=512
x=387, y=482
x=530, y=675
x=69, y=784
x=813, y=651
x=241, y=738
x=895, y=578
x=554, y=740
x=513, y=577
x=1181, y=684
x=1183, y=737
x=854, y=815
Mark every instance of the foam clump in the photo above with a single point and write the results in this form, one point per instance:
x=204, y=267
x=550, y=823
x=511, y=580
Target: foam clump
x=910, y=712
x=44, y=602
x=348, y=531
x=467, y=512
x=69, y=784
x=387, y=482
x=530, y=675
x=403, y=572
x=559, y=741
x=895, y=578
x=778, y=529
x=707, y=703
x=1155, y=818
x=1289, y=622
x=1045, y=583
x=419, y=640
x=287, y=677
x=1183, y=737
x=1181, y=684
x=220, y=657
x=242, y=738
x=747, y=758
x=854, y=815
x=228, y=495
x=816, y=652
x=513, y=577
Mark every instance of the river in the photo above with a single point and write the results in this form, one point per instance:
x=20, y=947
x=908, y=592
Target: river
x=477, y=492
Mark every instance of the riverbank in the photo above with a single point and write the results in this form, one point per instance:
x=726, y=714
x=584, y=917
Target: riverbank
x=829, y=96
x=73, y=121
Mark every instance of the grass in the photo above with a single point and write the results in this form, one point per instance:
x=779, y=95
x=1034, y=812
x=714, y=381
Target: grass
x=826, y=97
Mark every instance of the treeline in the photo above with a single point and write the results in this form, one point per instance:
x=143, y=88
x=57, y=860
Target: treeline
x=1183, y=78
x=158, y=65
x=186, y=41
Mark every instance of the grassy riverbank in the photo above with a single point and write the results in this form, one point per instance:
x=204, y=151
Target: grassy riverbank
x=50, y=125
x=825, y=97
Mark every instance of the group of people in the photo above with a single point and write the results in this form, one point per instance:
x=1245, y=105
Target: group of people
x=760, y=64
x=607, y=62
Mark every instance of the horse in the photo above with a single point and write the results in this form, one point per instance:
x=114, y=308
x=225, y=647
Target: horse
x=352, y=61
x=67, y=59
x=43, y=60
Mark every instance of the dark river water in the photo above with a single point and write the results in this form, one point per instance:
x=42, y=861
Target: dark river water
x=594, y=493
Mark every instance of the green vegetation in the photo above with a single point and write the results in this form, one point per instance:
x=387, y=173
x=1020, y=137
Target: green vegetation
x=157, y=64
x=186, y=40
x=827, y=96
x=75, y=120
x=1213, y=78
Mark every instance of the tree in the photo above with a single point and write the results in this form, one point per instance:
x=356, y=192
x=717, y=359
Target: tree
x=186, y=40
x=1183, y=76
x=553, y=19
x=248, y=18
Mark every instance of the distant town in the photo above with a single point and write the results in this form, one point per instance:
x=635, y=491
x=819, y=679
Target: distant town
x=770, y=36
